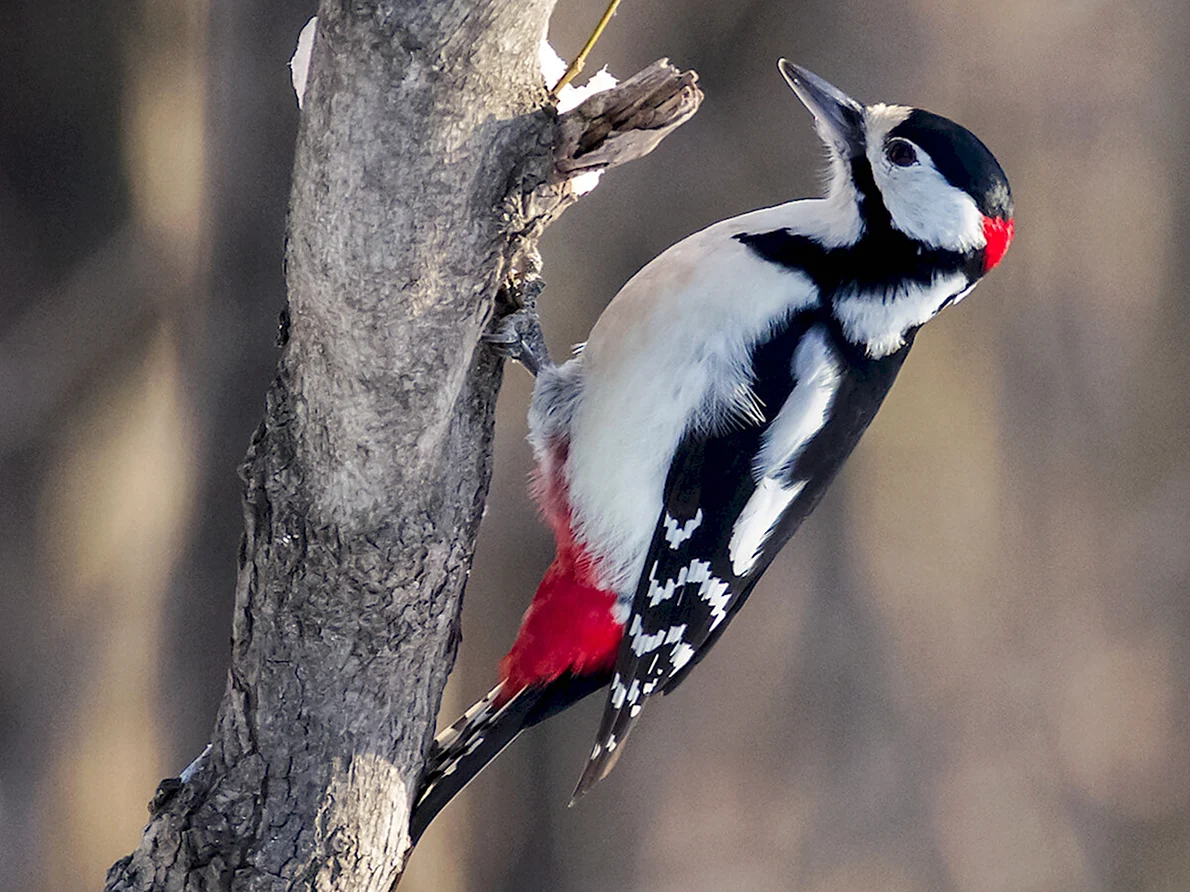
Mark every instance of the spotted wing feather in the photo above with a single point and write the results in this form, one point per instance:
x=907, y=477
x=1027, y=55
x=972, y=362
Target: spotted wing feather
x=691, y=588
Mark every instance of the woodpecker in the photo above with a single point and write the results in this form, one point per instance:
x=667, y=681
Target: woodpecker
x=716, y=398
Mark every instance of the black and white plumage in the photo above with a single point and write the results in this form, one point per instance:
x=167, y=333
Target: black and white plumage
x=741, y=494
x=723, y=388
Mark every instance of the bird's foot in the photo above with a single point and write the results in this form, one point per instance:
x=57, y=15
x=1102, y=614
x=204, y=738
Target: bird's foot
x=518, y=335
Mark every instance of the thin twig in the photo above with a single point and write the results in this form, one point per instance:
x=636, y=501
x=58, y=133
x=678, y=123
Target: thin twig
x=577, y=65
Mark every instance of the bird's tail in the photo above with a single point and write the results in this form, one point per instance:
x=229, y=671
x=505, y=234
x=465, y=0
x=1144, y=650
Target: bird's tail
x=465, y=748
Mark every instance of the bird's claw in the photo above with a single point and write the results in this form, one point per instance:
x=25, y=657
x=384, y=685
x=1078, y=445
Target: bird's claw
x=518, y=336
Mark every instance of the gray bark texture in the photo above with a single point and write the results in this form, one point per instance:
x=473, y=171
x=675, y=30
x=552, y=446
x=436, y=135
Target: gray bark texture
x=428, y=163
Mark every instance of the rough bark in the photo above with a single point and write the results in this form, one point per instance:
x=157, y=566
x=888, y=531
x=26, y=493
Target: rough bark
x=427, y=166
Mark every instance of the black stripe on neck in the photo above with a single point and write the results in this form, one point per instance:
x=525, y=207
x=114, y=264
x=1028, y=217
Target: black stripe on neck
x=882, y=259
x=872, y=211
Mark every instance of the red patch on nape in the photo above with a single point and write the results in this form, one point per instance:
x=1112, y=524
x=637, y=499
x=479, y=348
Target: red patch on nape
x=998, y=233
x=569, y=627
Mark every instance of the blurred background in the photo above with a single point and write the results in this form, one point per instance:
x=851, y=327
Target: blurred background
x=967, y=672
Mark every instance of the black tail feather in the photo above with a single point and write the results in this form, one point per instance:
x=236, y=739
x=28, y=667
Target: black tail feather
x=465, y=748
x=614, y=728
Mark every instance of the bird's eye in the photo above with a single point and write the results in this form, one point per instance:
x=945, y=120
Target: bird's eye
x=901, y=153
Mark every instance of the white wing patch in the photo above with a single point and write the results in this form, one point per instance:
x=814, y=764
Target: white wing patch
x=881, y=321
x=755, y=523
x=816, y=368
x=676, y=534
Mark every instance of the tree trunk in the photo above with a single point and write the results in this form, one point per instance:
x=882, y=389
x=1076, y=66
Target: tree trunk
x=427, y=166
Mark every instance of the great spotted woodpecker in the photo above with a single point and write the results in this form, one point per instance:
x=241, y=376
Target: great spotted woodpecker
x=717, y=396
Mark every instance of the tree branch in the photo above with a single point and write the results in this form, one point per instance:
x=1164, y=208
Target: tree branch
x=427, y=167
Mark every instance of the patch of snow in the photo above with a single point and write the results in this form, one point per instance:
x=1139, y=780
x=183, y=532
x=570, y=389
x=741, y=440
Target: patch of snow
x=570, y=96
x=299, y=65
x=553, y=67
x=582, y=183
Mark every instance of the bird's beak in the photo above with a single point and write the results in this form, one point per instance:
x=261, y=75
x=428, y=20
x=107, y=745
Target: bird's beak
x=840, y=118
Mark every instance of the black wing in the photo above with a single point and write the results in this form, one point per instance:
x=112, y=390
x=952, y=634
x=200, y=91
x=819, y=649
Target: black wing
x=689, y=590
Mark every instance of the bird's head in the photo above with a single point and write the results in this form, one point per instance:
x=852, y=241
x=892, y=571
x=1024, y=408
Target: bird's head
x=911, y=171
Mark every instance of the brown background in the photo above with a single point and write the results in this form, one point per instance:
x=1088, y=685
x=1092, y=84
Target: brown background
x=968, y=672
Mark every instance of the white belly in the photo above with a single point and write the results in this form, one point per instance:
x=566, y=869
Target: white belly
x=673, y=346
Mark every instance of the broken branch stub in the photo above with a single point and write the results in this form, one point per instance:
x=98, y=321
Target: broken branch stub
x=626, y=122
x=607, y=129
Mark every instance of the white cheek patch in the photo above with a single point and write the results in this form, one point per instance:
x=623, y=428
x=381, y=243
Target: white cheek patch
x=755, y=523
x=880, y=321
x=924, y=205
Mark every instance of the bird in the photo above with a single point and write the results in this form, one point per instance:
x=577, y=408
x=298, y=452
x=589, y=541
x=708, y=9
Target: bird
x=714, y=402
